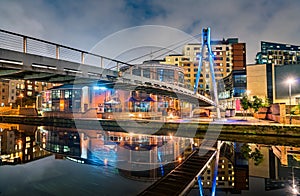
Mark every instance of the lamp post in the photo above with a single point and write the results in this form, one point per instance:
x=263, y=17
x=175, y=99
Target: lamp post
x=294, y=186
x=290, y=81
x=21, y=96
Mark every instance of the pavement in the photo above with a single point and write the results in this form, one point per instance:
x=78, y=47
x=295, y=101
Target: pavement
x=232, y=120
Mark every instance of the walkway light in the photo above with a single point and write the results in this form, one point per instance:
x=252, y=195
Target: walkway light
x=21, y=96
x=290, y=81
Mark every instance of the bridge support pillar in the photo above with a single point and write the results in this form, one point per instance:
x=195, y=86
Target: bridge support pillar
x=206, y=42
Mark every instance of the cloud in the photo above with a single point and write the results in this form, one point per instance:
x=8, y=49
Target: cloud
x=82, y=24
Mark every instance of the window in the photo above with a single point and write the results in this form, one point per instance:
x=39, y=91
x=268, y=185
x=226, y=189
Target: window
x=55, y=94
x=240, y=79
x=68, y=94
x=137, y=72
x=146, y=72
x=297, y=100
x=77, y=94
x=29, y=87
x=29, y=93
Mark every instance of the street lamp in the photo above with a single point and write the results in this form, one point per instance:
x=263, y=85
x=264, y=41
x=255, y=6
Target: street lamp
x=290, y=81
x=21, y=96
x=294, y=186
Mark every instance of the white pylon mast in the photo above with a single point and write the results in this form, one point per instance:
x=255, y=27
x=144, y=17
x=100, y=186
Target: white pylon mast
x=206, y=42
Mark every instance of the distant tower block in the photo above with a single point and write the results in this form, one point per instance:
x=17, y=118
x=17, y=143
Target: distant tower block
x=206, y=42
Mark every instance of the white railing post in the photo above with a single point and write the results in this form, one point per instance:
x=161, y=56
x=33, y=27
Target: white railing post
x=101, y=62
x=57, y=52
x=25, y=44
x=82, y=57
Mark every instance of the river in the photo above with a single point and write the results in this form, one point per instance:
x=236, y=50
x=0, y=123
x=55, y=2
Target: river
x=44, y=160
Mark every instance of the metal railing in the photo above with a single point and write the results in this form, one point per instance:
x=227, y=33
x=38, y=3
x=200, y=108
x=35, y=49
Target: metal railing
x=30, y=45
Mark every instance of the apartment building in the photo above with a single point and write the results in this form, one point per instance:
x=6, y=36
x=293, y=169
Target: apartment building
x=278, y=54
x=229, y=55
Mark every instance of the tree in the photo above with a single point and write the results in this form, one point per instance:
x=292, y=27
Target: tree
x=257, y=157
x=246, y=104
x=246, y=151
x=295, y=110
x=266, y=102
x=256, y=103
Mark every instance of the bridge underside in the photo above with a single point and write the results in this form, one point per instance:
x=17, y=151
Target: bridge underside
x=17, y=65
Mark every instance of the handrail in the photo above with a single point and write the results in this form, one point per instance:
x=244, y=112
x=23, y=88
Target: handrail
x=25, y=37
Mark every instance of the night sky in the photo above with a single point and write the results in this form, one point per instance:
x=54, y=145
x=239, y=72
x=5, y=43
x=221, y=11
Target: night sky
x=83, y=24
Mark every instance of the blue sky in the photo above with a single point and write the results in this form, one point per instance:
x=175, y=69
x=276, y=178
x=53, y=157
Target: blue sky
x=82, y=24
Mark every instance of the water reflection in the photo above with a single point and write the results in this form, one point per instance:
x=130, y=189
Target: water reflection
x=134, y=155
x=243, y=168
x=18, y=144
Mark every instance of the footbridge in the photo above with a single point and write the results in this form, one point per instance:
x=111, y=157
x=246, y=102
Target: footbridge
x=29, y=58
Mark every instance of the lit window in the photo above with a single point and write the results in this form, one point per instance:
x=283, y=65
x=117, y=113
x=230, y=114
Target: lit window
x=29, y=87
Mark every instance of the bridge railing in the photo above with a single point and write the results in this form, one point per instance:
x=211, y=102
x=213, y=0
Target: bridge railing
x=30, y=45
x=133, y=79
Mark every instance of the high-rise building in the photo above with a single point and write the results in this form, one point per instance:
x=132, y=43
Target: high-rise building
x=270, y=81
x=229, y=55
x=278, y=54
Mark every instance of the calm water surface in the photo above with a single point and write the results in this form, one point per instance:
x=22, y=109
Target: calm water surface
x=63, y=161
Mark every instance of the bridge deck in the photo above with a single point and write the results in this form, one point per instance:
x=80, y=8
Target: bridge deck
x=182, y=176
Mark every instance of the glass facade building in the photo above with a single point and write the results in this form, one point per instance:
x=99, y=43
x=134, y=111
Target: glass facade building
x=278, y=54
